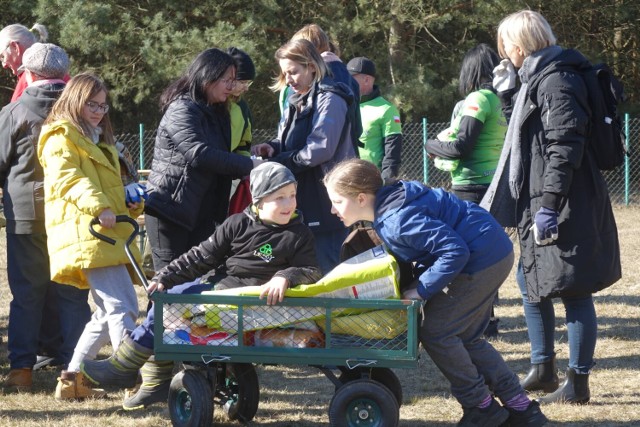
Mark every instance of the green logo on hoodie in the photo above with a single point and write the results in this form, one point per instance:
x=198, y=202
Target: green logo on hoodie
x=265, y=252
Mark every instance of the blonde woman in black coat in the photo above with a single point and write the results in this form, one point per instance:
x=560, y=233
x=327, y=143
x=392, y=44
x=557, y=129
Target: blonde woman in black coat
x=548, y=186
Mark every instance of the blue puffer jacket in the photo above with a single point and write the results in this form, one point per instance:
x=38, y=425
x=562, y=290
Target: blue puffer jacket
x=442, y=234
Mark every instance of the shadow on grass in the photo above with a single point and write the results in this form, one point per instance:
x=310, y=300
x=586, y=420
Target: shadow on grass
x=631, y=300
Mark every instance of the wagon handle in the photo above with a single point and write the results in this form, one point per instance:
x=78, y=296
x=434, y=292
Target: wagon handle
x=132, y=236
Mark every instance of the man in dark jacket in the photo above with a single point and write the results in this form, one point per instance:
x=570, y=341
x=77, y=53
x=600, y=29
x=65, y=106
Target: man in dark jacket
x=35, y=297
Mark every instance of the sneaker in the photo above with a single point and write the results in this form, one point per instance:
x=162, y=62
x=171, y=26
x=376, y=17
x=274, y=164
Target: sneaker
x=531, y=417
x=18, y=380
x=491, y=416
x=75, y=386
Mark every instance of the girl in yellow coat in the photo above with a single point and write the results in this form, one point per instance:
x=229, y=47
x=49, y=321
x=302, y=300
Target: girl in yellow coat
x=81, y=182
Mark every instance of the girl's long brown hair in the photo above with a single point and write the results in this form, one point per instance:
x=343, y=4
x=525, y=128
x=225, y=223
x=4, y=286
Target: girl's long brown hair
x=354, y=176
x=80, y=89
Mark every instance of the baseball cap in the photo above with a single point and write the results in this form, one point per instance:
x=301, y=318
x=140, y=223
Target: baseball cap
x=362, y=65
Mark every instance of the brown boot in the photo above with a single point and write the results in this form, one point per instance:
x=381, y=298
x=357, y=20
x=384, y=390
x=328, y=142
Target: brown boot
x=75, y=386
x=18, y=380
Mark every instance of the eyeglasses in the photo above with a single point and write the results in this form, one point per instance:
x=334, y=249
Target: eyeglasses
x=229, y=83
x=94, y=107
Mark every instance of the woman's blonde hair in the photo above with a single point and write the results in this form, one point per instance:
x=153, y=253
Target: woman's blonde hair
x=80, y=89
x=304, y=53
x=526, y=29
x=354, y=176
x=315, y=35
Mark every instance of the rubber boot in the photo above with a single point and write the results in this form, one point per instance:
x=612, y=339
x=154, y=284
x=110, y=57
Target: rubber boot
x=541, y=376
x=574, y=389
x=75, y=386
x=18, y=380
x=121, y=369
x=156, y=379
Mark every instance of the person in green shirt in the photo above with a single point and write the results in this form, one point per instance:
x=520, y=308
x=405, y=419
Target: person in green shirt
x=381, y=139
x=474, y=141
x=471, y=147
x=239, y=112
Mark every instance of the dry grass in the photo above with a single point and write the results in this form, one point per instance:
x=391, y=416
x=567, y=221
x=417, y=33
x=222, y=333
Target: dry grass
x=299, y=396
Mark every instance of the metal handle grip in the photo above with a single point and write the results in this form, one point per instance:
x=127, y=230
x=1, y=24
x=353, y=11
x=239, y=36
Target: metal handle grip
x=132, y=236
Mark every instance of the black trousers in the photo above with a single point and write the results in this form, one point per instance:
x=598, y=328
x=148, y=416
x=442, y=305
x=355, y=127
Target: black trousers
x=169, y=240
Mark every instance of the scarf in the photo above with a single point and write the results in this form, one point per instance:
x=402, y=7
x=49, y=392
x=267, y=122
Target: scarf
x=504, y=190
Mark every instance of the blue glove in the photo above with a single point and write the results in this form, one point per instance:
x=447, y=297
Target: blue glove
x=545, y=226
x=135, y=193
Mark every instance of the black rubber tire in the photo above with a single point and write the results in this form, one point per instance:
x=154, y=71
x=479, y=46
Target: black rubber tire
x=240, y=391
x=190, y=400
x=383, y=375
x=363, y=403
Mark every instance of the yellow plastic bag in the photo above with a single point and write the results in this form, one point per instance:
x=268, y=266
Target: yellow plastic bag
x=378, y=324
x=373, y=274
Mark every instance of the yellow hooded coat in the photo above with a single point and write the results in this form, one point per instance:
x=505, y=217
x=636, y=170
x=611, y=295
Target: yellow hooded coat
x=81, y=179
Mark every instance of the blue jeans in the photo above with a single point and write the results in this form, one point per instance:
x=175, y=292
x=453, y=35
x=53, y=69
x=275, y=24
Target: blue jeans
x=143, y=334
x=582, y=327
x=328, y=244
x=29, y=280
x=75, y=313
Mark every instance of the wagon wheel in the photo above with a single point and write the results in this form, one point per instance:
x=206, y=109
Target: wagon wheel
x=190, y=400
x=238, y=391
x=383, y=375
x=363, y=402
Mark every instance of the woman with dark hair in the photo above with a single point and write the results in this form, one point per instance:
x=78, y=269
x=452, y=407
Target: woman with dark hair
x=474, y=141
x=192, y=166
x=471, y=147
x=313, y=136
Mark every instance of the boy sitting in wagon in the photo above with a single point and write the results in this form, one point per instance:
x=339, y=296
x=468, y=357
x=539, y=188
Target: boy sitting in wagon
x=236, y=251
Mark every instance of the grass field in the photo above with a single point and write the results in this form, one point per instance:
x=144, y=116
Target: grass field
x=299, y=396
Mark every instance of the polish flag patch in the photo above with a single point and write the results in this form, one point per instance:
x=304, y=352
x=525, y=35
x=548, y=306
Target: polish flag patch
x=396, y=119
x=472, y=107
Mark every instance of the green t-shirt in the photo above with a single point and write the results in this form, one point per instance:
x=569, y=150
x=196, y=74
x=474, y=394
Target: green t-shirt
x=380, y=119
x=240, y=130
x=480, y=166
